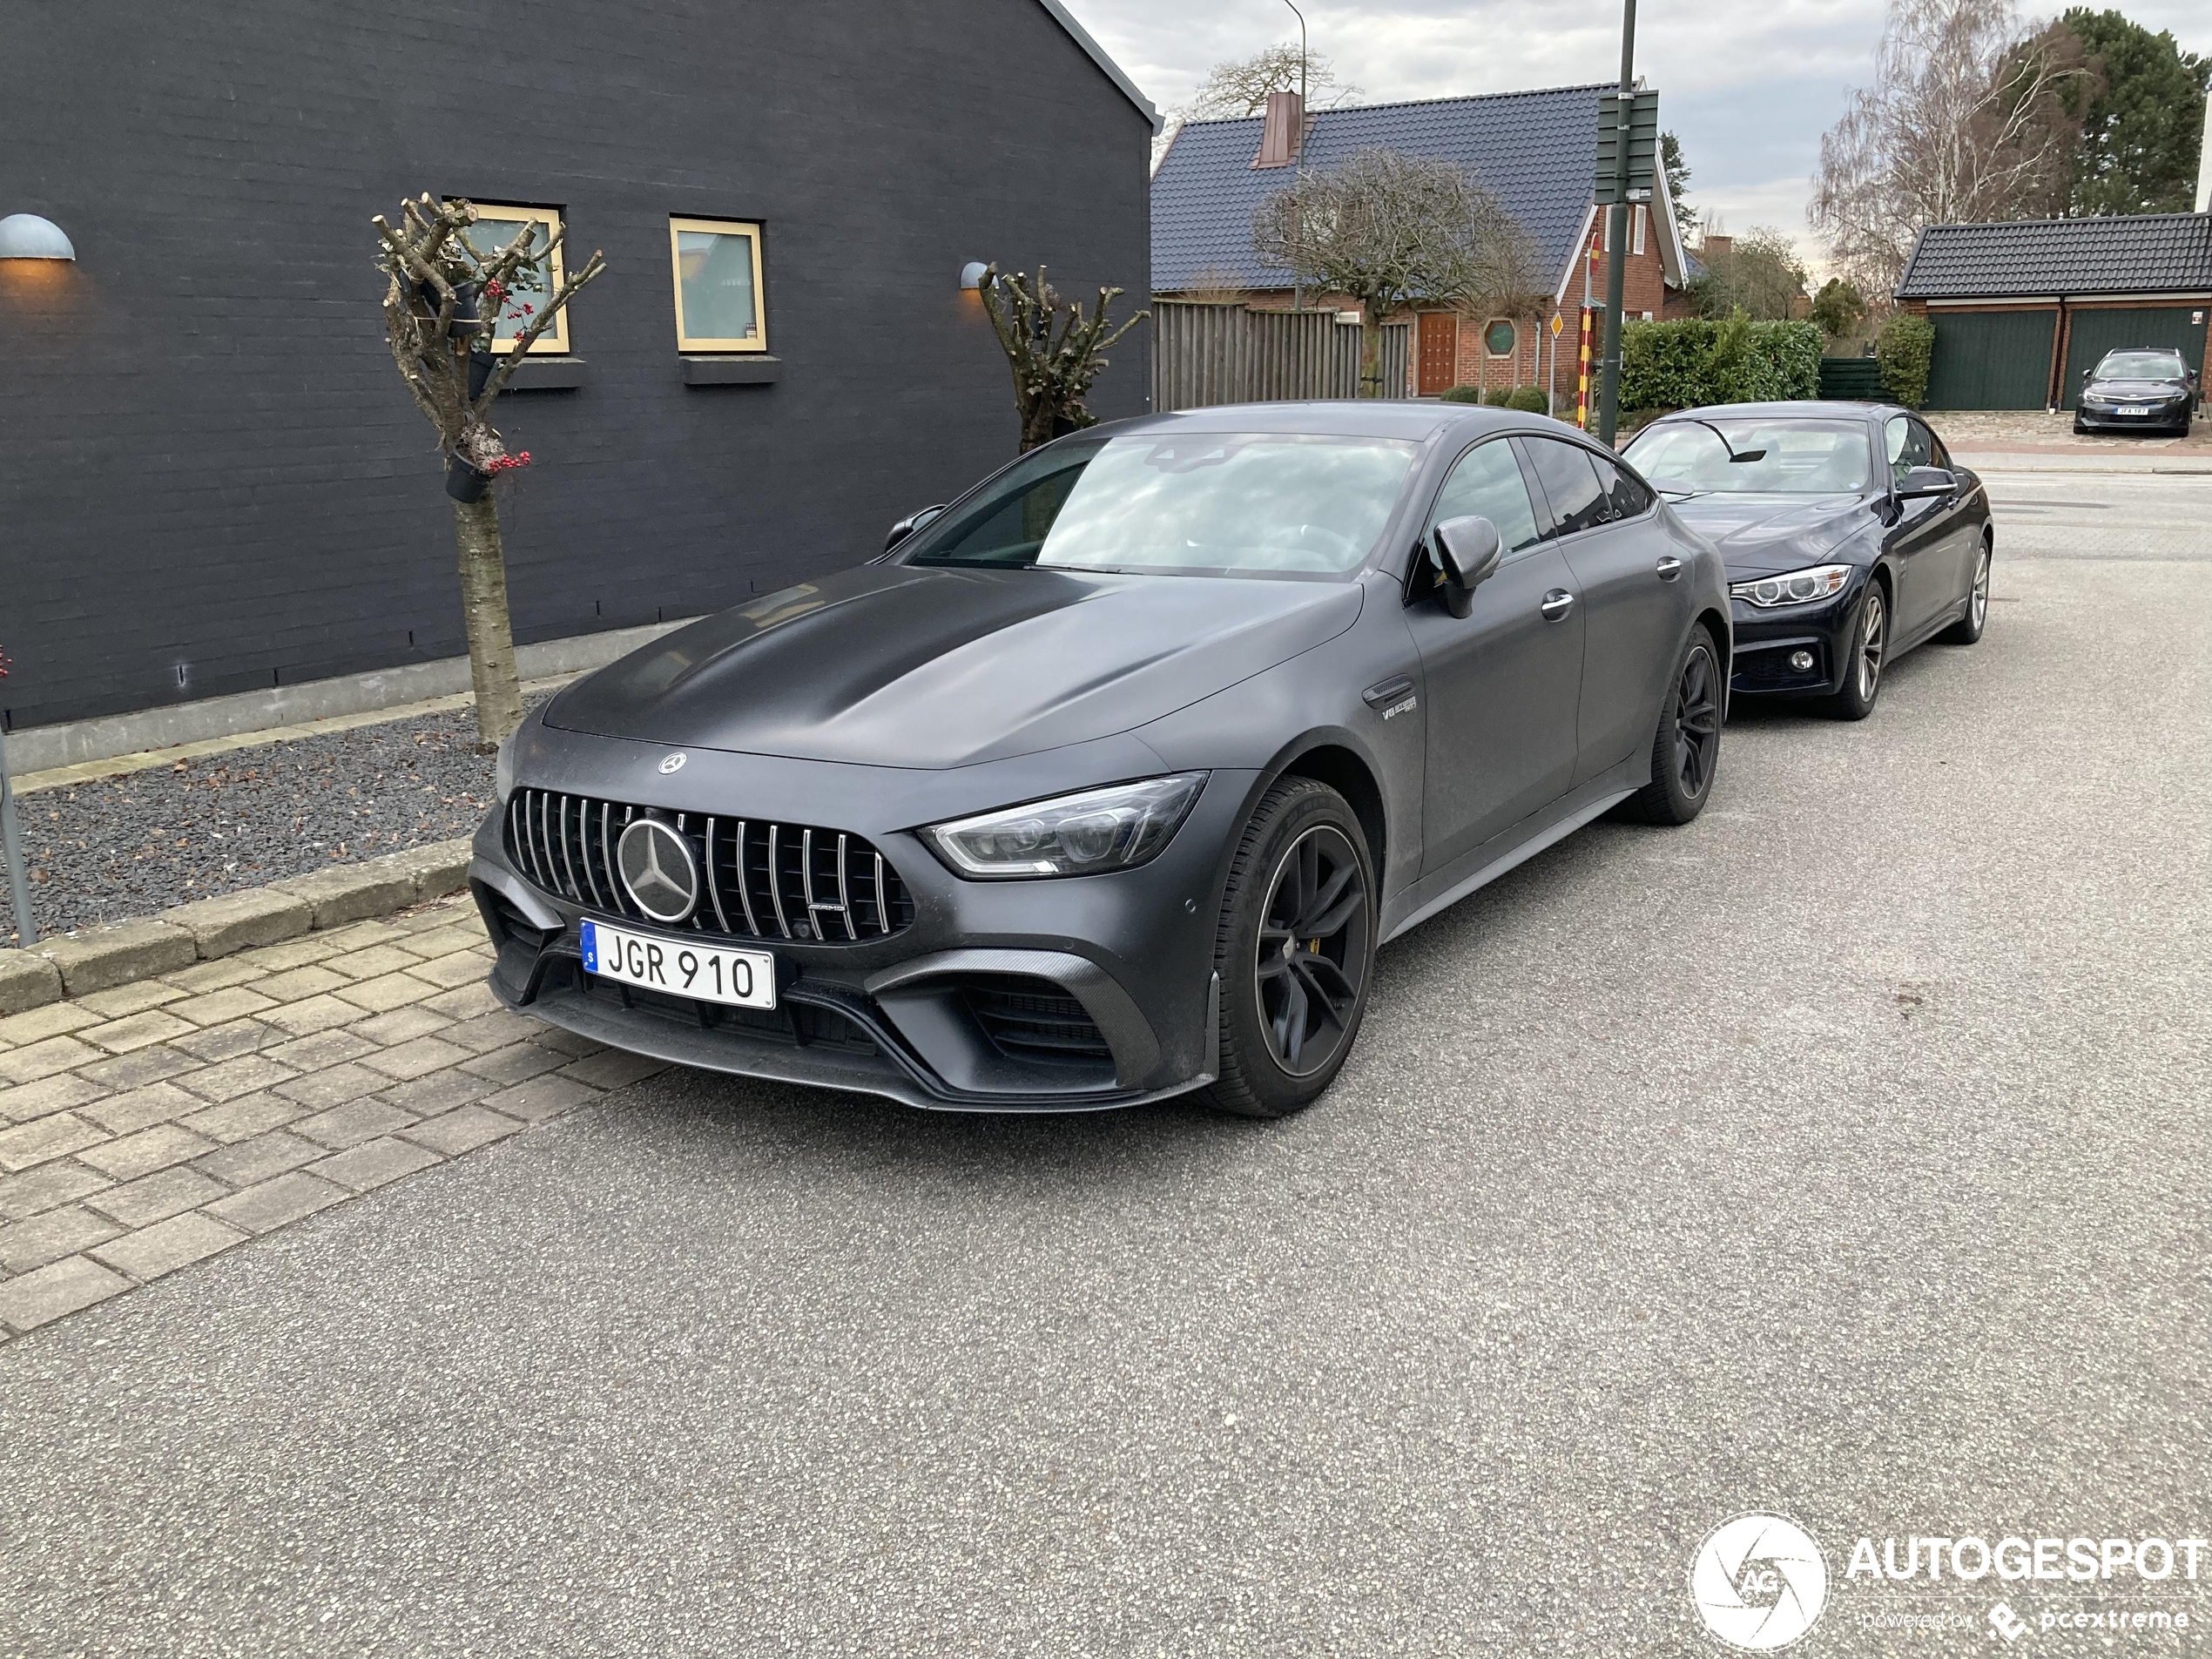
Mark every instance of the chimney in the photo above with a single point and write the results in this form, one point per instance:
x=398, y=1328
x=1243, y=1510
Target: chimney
x=1717, y=245
x=1278, y=138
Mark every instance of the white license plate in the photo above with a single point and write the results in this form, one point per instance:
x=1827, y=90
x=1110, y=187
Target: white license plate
x=2136, y=411
x=744, y=979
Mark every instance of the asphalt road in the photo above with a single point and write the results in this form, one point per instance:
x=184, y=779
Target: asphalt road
x=1842, y=1154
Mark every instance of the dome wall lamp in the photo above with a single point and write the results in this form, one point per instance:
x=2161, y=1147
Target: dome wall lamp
x=26, y=236
x=971, y=274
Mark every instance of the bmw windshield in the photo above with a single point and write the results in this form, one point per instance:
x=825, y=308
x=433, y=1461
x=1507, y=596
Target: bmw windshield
x=1754, y=455
x=1278, y=505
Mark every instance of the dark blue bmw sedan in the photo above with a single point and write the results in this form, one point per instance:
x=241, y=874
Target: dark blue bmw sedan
x=1849, y=535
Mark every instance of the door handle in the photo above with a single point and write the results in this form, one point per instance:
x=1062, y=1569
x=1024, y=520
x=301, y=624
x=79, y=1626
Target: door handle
x=1669, y=567
x=1556, y=604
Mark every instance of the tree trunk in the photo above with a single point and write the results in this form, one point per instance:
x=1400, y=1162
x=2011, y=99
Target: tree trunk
x=483, y=610
x=1371, y=328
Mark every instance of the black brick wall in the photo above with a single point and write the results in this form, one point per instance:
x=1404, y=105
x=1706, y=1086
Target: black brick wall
x=210, y=479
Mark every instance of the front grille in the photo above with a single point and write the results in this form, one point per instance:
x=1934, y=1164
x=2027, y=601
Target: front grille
x=764, y=880
x=1033, y=1019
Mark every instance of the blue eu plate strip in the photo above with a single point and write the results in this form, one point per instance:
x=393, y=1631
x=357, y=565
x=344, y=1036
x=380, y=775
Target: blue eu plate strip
x=590, y=936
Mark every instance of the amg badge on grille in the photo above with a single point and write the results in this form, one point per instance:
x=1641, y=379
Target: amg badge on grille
x=659, y=869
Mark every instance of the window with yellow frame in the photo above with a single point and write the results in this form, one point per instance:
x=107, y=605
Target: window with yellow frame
x=496, y=226
x=716, y=263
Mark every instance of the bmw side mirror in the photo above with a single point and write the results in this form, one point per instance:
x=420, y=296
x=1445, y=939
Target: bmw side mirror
x=1468, y=550
x=908, y=525
x=1926, y=481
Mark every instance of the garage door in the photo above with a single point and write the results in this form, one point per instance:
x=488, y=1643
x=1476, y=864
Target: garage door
x=1991, y=360
x=2095, y=332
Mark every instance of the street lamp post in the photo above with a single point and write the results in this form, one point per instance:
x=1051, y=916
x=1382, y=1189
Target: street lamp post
x=1298, y=158
x=1616, y=232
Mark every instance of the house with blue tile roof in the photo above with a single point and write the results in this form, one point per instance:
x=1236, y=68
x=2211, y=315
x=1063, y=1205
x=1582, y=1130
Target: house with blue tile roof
x=1536, y=149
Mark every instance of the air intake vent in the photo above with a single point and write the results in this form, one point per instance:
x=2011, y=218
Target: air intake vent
x=764, y=879
x=1033, y=1019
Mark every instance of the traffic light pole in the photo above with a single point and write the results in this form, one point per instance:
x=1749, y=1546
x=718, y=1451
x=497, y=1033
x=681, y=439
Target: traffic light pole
x=1616, y=232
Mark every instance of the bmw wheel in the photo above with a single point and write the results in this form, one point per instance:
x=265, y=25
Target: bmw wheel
x=1868, y=652
x=1295, y=950
x=1967, y=628
x=1686, y=749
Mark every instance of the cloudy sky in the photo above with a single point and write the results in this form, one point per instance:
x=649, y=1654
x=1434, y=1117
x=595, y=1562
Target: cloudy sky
x=1748, y=85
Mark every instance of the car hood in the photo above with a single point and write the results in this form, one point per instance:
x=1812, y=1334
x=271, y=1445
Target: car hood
x=893, y=665
x=1764, y=534
x=2135, y=388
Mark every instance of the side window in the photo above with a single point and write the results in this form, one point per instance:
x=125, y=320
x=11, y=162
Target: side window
x=1487, y=480
x=1909, y=444
x=1939, y=456
x=1629, y=498
x=1569, y=484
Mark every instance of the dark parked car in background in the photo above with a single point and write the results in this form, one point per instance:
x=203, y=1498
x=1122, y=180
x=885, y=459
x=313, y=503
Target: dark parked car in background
x=1850, y=533
x=2147, y=389
x=1105, y=782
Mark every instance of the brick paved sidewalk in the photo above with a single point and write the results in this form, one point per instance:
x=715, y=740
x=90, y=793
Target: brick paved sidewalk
x=149, y=1127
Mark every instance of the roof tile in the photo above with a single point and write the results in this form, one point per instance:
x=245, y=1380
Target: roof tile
x=2137, y=253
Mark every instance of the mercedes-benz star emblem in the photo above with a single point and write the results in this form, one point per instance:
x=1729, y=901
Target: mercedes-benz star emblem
x=673, y=763
x=658, y=869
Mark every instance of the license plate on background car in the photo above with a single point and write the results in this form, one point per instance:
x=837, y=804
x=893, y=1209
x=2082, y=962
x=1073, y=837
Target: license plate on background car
x=744, y=979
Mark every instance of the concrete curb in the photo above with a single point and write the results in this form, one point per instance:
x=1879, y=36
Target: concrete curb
x=99, y=957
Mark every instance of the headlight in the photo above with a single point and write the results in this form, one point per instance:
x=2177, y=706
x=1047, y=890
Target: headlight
x=502, y=770
x=1797, y=588
x=1115, y=828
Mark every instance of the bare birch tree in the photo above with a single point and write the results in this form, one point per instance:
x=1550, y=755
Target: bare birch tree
x=1964, y=123
x=443, y=306
x=1389, y=231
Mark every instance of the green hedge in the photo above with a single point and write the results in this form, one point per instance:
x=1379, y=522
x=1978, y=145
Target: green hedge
x=1682, y=365
x=1528, y=398
x=1905, y=345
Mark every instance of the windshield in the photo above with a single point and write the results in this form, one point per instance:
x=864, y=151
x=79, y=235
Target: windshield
x=2139, y=366
x=1778, y=455
x=1182, y=503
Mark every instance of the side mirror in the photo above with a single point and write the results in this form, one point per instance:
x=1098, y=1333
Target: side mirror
x=1926, y=481
x=908, y=525
x=1468, y=550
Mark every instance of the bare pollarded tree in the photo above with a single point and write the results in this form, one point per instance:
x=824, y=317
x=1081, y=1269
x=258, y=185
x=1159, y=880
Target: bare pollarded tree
x=1964, y=123
x=443, y=303
x=1055, y=350
x=1388, y=231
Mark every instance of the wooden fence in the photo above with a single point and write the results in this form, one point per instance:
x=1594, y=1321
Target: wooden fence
x=1204, y=354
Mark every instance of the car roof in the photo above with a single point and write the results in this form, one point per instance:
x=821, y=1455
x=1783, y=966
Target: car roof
x=1336, y=418
x=1814, y=406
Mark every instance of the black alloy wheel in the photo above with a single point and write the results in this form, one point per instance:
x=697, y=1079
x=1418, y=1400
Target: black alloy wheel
x=1865, y=656
x=1686, y=749
x=1295, y=950
x=1967, y=628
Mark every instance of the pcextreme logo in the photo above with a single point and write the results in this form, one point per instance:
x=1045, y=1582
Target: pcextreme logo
x=1759, y=1581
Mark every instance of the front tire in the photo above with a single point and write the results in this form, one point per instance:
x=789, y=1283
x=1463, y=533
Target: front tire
x=1686, y=749
x=1967, y=628
x=1870, y=644
x=1295, y=950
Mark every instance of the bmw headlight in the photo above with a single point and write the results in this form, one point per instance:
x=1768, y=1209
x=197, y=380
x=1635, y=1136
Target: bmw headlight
x=502, y=770
x=1115, y=828
x=1794, y=587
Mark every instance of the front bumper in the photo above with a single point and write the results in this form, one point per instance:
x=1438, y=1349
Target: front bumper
x=2154, y=417
x=1766, y=640
x=1116, y=969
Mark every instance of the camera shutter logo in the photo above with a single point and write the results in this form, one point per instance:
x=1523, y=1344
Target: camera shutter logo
x=659, y=870
x=1759, y=1582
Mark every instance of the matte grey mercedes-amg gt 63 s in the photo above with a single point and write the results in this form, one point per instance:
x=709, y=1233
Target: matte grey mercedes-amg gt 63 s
x=1105, y=782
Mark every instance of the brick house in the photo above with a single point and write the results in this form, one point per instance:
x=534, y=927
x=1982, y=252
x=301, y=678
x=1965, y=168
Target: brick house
x=1537, y=150
x=216, y=487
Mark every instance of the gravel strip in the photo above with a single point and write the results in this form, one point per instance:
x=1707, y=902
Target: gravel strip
x=132, y=844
